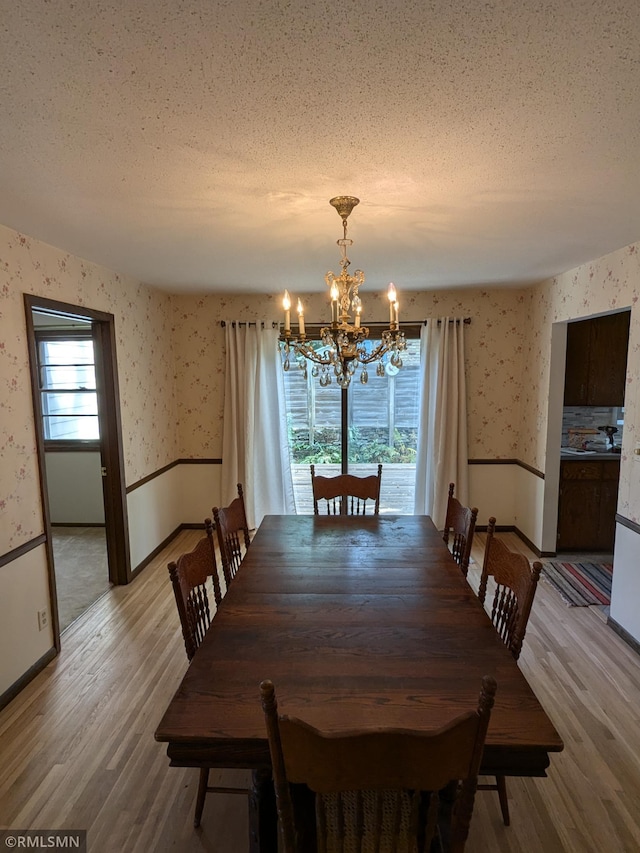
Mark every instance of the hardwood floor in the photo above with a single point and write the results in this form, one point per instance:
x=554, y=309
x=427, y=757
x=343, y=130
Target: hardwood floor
x=77, y=748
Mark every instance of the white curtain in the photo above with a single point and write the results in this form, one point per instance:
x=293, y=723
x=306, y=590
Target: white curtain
x=442, y=424
x=255, y=450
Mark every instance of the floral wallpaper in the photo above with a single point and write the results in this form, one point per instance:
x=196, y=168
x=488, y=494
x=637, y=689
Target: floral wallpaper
x=145, y=364
x=507, y=345
x=170, y=351
x=200, y=360
x=606, y=284
x=495, y=346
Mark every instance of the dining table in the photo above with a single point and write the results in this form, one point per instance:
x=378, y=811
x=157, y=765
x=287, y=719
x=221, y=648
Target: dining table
x=360, y=622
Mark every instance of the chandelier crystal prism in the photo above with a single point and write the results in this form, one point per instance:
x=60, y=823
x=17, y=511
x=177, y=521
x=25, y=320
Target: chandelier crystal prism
x=344, y=345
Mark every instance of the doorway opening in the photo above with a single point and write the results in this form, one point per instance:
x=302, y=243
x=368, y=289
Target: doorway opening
x=76, y=408
x=65, y=353
x=586, y=421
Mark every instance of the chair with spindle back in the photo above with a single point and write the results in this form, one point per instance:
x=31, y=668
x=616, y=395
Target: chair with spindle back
x=190, y=574
x=376, y=789
x=346, y=494
x=233, y=535
x=459, y=526
x=516, y=581
x=194, y=576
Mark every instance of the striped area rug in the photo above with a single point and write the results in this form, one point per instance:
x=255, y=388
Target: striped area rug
x=580, y=584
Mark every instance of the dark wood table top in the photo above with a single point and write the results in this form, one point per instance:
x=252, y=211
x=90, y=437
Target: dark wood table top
x=359, y=622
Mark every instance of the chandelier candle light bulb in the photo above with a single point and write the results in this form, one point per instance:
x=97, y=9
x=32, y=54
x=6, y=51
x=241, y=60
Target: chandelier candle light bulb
x=334, y=293
x=393, y=304
x=342, y=346
x=286, y=304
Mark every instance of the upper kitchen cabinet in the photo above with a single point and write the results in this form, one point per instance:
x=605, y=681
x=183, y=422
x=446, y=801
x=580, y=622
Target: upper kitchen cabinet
x=596, y=363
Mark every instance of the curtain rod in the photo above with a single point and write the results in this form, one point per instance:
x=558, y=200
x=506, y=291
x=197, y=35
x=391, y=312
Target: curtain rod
x=408, y=323
x=275, y=323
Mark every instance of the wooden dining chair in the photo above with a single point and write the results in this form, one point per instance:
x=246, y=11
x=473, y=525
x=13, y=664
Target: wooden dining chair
x=516, y=581
x=459, y=526
x=193, y=576
x=346, y=494
x=233, y=535
x=393, y=786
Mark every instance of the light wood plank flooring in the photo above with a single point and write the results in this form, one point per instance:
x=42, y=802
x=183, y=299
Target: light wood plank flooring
x=77, y=748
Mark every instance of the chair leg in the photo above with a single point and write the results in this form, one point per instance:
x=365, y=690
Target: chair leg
x=501, y=783
x=202, y=793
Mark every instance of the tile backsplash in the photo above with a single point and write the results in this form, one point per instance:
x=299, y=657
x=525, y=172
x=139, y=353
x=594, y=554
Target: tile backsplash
x=591, y=417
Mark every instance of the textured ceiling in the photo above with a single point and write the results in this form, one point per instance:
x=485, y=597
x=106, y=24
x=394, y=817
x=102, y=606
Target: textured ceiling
x=194, y=145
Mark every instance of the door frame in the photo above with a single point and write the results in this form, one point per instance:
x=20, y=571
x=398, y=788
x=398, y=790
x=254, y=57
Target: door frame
x=555, y=409
x=111, y=447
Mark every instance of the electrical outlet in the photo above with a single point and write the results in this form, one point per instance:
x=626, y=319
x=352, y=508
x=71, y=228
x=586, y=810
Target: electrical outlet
x=43, y=620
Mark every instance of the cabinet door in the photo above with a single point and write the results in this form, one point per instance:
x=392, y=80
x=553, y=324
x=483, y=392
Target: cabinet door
x=609, y=342
x=579, y=515
x=576, y=379
x=608, y=504
x=607, y=522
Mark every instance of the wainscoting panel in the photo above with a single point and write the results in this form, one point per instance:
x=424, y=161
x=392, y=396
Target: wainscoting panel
x=625, y=591
x=183, y=493
x=492, y=488
x=510, y=491
x=22, y=643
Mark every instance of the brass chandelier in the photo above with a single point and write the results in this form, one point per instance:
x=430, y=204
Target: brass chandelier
x=344, y=344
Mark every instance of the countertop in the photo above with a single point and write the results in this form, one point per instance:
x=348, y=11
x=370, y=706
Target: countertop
x=585, y=457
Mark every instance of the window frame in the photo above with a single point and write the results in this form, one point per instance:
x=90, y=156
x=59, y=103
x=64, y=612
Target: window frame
x=412, y=331
x=43, y=335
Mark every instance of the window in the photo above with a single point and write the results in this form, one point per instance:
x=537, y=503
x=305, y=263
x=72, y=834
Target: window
x=356, y=429
x=67, y=384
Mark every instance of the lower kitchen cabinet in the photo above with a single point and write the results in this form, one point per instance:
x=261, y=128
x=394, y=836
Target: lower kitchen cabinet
x=587, y=504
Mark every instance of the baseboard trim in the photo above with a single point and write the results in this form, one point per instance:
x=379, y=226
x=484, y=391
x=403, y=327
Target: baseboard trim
x=624, y=635
x=162, y=545
x=28, y=676
x=511, y=528
x=533, y=547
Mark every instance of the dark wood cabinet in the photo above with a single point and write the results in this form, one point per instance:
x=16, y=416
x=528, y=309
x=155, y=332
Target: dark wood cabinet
x=596, y=362
x=576, y=373
x=587, y=505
